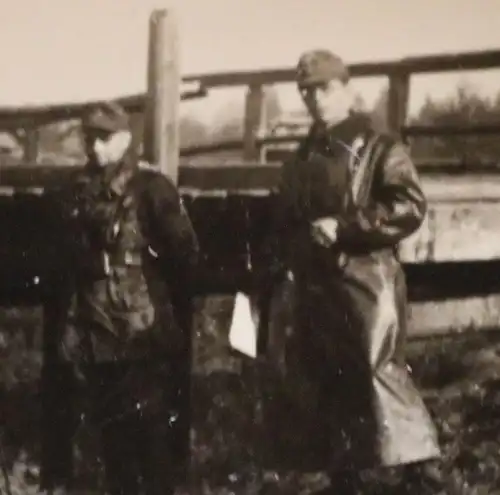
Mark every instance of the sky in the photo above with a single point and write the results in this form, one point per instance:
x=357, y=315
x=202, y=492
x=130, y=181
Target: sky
x=56, y=51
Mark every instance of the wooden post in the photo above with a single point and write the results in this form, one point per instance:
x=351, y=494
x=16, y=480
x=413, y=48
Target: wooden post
x=399, y=91
x=30, y=145
x=254, y=118
x=161, y=127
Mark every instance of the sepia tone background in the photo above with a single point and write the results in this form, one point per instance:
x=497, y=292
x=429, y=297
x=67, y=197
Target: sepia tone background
x=55, y=51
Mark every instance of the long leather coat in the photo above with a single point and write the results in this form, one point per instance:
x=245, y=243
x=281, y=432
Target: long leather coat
x=348, y=303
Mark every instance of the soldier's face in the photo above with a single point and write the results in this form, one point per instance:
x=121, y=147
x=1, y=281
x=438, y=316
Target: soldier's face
x=329, y=103
x=109, y=148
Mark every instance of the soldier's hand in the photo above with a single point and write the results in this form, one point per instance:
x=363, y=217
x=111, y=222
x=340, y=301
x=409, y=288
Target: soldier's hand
x=324, y=231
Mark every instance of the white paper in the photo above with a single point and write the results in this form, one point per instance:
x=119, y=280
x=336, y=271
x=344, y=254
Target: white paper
x=244, y=326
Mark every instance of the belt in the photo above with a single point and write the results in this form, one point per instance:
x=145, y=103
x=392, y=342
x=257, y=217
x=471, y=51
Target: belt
x=127, y=258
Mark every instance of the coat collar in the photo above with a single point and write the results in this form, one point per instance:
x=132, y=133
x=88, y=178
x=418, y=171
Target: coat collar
x=356, y=126
x=114, y=178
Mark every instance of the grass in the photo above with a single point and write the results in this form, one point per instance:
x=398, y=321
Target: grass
x=459, y=377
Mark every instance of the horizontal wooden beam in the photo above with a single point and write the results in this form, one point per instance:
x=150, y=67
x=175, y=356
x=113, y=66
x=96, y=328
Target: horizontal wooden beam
x=477, y=60
x=436, y=282
x=291, y=139
x=450, y=130
x=253, y=178
x=238, y=177
x=12, y=118
x=434, y=166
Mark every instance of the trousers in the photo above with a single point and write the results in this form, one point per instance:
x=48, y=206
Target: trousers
x=141, y=410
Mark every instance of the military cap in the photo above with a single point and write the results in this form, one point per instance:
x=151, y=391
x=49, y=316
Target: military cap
x=320, y=66
x=106, y=117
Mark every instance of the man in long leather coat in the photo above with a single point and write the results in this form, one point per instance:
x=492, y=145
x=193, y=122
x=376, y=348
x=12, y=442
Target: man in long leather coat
x=133, y=257
x=345, y=203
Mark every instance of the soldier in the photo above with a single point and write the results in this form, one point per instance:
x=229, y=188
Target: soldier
x=348, y=199
x=134, y=252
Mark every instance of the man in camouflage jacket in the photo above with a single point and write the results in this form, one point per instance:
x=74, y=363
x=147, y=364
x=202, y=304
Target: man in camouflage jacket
x=133, y=257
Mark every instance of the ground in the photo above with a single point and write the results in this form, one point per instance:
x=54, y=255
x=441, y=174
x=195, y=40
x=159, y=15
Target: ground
x=459, y=377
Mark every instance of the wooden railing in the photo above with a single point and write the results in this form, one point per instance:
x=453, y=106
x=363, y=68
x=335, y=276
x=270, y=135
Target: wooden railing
x=398, y=72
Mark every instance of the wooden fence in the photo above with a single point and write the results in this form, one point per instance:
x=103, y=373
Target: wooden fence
x=397, y=72
x=221, y=198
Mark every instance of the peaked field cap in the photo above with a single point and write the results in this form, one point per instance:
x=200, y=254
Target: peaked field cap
x=107, y=116
x=320, y=66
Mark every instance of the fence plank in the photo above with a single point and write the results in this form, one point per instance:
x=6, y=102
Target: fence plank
x=254, y=115
x=161, y=130
x=399, y=90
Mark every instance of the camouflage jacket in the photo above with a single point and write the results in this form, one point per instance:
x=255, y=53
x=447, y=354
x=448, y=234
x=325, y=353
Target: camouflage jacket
x=133, y=257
